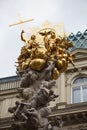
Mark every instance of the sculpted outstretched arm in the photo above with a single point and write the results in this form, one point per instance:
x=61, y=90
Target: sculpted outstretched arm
x=22, y=38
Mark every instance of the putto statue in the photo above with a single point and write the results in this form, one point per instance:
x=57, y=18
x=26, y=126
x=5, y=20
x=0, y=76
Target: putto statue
x=39, y=66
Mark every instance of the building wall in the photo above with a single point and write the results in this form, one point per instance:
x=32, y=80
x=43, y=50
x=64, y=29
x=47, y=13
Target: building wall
x=72, y=73
x=8, y=92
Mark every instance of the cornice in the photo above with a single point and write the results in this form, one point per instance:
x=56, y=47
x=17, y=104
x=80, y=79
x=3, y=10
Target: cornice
x=71, y=114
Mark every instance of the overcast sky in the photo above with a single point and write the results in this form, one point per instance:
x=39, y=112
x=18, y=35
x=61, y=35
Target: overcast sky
x=73, y=13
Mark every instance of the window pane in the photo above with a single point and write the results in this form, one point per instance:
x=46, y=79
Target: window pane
x=76, y=95
x=80, y=80
x=85, y=79
x=84, y=91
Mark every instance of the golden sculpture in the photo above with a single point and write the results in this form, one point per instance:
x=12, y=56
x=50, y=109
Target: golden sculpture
x=37, y=64
x=55, y=48
x=56, y=73
x=38, y=67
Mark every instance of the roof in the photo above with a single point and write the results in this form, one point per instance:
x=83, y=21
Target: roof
x=9, y=79
x=79, y=39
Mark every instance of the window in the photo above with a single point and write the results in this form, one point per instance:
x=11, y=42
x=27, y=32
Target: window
x=79, y=90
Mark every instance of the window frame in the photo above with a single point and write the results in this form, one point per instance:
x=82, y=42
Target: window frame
x=78, y=85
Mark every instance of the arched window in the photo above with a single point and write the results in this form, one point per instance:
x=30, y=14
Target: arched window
x=79, y=90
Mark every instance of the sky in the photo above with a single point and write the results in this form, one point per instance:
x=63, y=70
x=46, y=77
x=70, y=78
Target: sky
x=71, y=12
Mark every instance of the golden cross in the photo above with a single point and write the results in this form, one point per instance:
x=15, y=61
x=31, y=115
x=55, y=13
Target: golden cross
x=21, y=21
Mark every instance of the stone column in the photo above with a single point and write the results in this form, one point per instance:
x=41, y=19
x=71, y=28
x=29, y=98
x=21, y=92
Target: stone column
x=69, y=95
x=62, y=93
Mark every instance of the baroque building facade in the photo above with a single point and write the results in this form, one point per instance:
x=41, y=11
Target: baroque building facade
x=71, y=105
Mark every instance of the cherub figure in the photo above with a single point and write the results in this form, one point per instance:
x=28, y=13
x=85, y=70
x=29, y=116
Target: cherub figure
x=45, y=39
x=29, y=43
x=51, y=41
